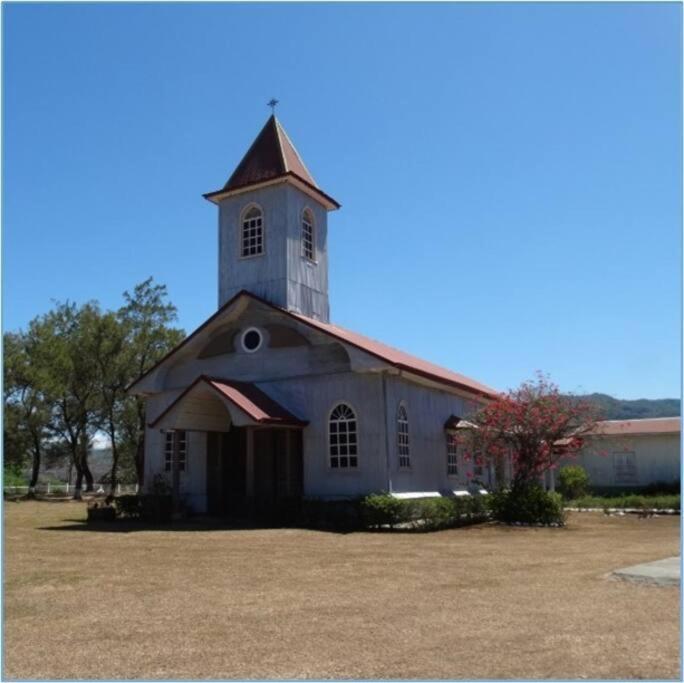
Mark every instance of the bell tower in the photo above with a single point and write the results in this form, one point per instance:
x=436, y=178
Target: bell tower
x=273, y=228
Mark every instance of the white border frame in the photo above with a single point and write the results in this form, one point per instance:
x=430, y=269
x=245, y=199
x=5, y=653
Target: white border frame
x=342, y=470
x=400, y=405
x=249, y=207
x=245, y=333
x=312, y=222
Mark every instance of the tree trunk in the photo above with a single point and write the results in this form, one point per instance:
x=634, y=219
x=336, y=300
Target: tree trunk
x=35, y=469
x=83, y=459
x=140, y=447
x=115, y=459
x=79, y=481
x=140, y=461
x=88, y=476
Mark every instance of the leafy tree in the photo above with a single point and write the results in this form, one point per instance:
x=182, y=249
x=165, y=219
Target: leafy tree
x=146, y=317
x=60, y=346
x=535, y=425
x=27, y=415
x=112, y=360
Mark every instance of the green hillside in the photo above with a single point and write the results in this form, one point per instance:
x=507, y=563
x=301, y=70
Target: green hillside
x=619, y=409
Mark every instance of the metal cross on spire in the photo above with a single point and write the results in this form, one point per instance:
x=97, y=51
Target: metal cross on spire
x=272, y=103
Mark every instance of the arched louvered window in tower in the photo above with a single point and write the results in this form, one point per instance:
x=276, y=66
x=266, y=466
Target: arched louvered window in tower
x=252, y=234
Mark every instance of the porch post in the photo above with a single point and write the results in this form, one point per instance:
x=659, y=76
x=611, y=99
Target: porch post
x=249, y=466
x=288, y=462
x=175, y=476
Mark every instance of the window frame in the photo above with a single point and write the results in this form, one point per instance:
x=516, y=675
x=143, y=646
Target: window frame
x=452, y=443
x=312, y=225
x=168, y=455
x=243, y=215
x=628, y=468
x=348, y=468
x=403, y=459
x=245, y=333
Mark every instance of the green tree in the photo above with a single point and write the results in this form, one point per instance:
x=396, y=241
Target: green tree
x=113, y=360
x=26, y=412
x=146, y=317
x=60, y=346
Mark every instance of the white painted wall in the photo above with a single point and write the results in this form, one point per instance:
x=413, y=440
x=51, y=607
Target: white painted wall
x=281, y=275
x=657, y=458
x=428, y=410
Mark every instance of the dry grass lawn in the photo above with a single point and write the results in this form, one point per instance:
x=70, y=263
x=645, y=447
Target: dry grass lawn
x=478, y=602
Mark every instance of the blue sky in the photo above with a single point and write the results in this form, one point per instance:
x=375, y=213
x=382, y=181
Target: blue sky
x=510, y=175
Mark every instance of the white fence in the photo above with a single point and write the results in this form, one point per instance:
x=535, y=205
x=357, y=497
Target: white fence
x=66, y=489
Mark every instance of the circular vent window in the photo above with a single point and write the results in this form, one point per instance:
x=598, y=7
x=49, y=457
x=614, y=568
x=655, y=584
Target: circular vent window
x=251, y=340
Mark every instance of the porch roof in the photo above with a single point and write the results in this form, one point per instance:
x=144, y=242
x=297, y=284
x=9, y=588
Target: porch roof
x=246, y=396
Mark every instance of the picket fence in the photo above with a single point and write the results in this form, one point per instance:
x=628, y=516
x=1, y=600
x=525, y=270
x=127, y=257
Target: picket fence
x=55, y=488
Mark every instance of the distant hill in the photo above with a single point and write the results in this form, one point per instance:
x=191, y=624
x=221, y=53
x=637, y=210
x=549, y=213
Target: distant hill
x=619, y=409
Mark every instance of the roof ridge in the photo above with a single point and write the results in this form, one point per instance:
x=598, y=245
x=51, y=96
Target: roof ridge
x=281, y=131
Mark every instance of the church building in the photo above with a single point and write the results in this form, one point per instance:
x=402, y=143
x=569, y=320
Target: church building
x=268, y=399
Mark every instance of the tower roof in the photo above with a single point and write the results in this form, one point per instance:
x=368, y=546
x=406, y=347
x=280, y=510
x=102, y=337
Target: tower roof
x=271, y=157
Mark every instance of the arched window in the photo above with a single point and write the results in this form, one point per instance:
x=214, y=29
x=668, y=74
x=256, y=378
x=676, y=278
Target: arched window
x=342, y=435
x=308, y=243
x=252, y=236
x=403, y=437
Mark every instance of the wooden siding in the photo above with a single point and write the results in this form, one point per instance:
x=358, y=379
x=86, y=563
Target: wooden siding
x=313, y=398
x=428, y=409
x=280, y=275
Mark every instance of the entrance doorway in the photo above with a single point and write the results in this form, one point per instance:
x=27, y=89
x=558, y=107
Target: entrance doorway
x=240, y=483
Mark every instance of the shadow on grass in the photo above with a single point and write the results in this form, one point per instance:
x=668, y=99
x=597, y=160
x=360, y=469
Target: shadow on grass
x=127, y=526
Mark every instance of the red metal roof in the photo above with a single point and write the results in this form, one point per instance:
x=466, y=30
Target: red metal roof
x=654, y=425
x=399, y=359
x=247, y=397
x=272, y=155
x=395, y=357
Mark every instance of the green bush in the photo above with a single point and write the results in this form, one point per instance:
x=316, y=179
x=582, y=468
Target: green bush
x=156, y=507
x=336, y=515
x=528, y=504
x=128, y=506
x=573, y=481
x=12, y=476
x=98, y=512
x=384, y=510
x=662, y=502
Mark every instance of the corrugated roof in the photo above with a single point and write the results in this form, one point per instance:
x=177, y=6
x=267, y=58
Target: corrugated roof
x=389, y=354
x=247, y=397
x=271, y=156
x=399, y=359
x=653, y=425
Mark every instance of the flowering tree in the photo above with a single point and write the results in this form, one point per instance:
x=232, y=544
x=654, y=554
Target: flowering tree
x=534, y=424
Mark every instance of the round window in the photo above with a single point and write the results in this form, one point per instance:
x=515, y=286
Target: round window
x=251, y=340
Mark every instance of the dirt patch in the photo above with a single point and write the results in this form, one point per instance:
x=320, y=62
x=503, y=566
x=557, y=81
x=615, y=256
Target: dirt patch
x=477, y=602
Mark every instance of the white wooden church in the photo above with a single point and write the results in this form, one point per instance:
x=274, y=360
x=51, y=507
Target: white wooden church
x=268, y=399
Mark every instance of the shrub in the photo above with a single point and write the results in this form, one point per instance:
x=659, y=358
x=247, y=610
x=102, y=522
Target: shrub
x=337, y=515
x=663, y=502
x=13, y=476
x=101, y=513
x=156, y=507
x=382, y=509
x=528, y=504
x=128, y=506
x=573, y=481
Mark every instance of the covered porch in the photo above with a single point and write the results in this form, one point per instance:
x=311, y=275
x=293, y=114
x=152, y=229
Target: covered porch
x=251, y=447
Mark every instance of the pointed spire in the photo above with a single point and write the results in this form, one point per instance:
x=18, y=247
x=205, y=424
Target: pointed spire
x=271, y=156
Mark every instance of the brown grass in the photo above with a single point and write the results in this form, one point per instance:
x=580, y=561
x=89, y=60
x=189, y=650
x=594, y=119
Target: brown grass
x=479, y=602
